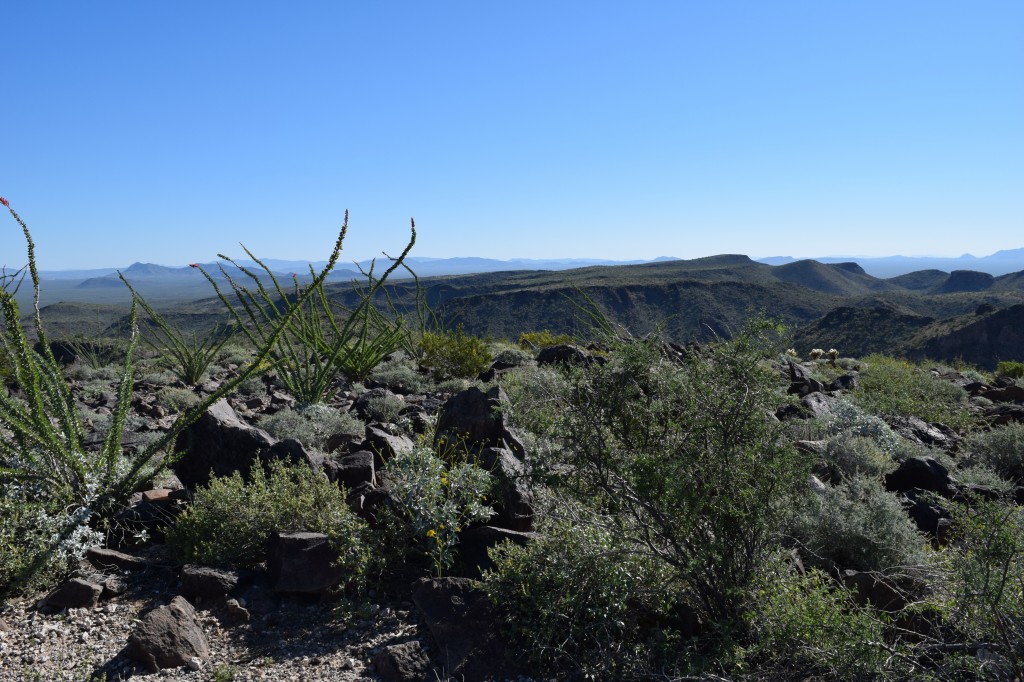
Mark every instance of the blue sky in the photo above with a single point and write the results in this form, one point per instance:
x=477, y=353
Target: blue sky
x=168, y=132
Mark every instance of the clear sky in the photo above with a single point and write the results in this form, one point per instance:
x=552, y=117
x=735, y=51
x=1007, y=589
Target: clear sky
x=166, y=132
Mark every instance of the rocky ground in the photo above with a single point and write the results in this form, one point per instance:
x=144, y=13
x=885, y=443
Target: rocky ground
x=258, y=636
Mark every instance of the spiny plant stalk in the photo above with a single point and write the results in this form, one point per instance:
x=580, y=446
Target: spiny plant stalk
x=43, y=440
x=315, y=347
x=188, y=358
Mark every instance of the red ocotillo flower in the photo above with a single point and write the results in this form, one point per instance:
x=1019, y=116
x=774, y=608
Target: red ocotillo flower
x=193, y=265
x=5, y=202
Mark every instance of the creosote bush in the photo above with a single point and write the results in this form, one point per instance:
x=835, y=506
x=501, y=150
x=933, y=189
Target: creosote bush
x=1012, y=369
x=230, y=521
x=806, y=624
x=681, y=456
x=572, y=600
x=454, y=354
x=537, y=340
x=986, y=582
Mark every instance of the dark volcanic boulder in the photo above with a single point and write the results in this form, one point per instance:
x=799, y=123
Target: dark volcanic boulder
x=472, y=421
x=919, y=431
x=76, y=593
x=567, y=354
x=801, y=382
x=922, y=473
x=303, y=563
x=404, y=662
x=168, y=637
x=513, y=500
x=222, y=443
x=464, y=625
x=203, y=581
x=219, y=442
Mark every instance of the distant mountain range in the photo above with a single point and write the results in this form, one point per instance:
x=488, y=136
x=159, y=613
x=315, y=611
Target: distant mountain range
x=999, y=263
x=965, y=314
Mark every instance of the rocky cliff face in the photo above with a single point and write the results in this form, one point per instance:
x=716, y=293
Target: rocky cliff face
x=966, y=280
x=993, y=337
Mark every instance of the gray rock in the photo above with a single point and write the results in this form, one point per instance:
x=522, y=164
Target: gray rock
x=472, y=421
x=405, y=662
x=168, y=637
x=203, y=581
x=351, y=470
x=464, y=626
x=221, y=443
x=303, y=563
x=76, y=593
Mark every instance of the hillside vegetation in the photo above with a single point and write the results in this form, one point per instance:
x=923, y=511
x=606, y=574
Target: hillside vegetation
x=606, y=504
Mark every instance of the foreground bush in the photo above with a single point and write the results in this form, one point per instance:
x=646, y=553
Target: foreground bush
x=578, y=603
x=230, y=521
x=803, y=626
x=682, y=456
x=986, y=583
x=435, y=499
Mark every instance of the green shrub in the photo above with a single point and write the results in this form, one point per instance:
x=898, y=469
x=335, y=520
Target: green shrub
x=982, y=475
x=435, y=500
x=574, y=602
x=384, y=409
x=230, y=521
x=1002, y=449
x=683, y=454
x=858, y=525
x=1007, y=368
x=848, y=419
x=400, y=377
x=891, y=387
x=454, y=354
x=177, y=399
x=514, y=357
x=805, y=627
x=848, y=455
x=311, y=425
x=29, y=559
x=987, y=582
x=537, y=340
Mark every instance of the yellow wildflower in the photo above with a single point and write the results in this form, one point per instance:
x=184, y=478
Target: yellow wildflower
x=431, y=533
